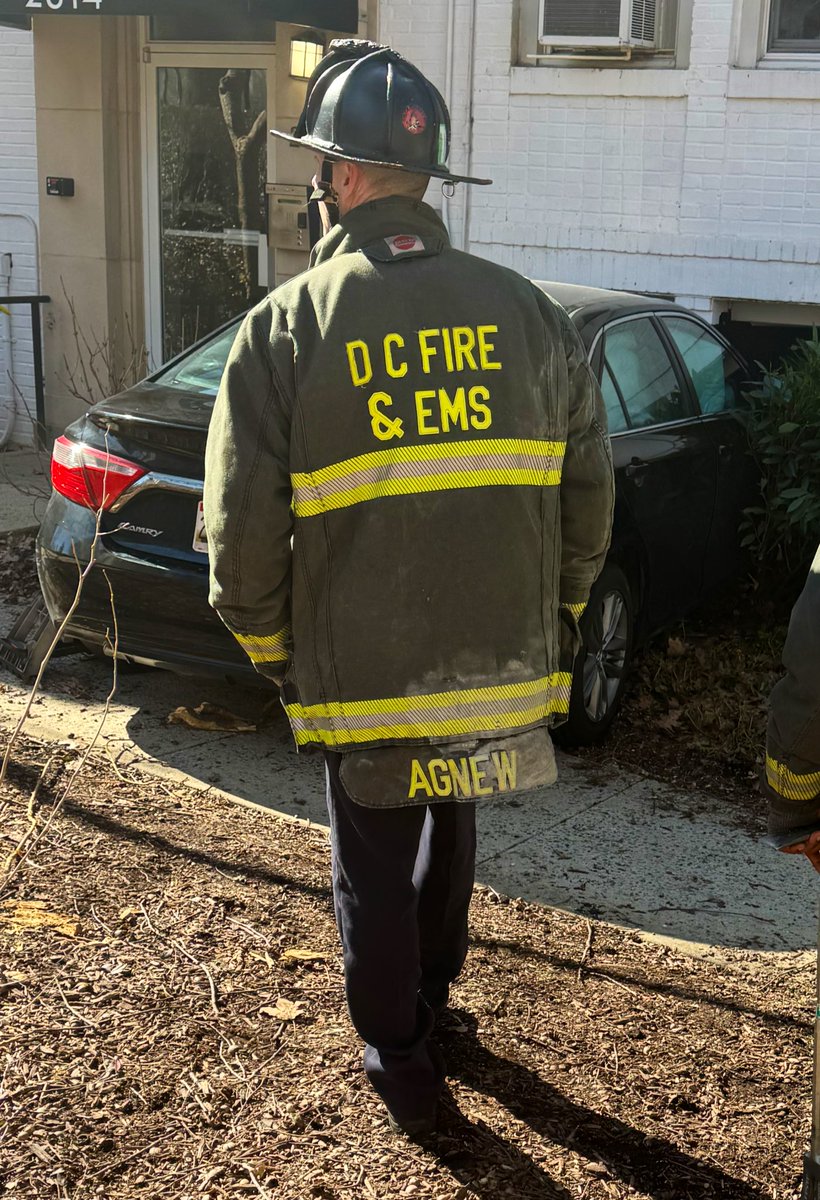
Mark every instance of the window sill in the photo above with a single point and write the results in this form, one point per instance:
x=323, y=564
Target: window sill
x=774, y=82
x=602, y=80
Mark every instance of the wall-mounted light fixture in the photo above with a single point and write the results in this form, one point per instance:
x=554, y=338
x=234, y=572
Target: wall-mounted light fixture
x=306, y=51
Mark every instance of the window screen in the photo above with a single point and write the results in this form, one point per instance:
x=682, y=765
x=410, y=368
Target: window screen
x=640, y=366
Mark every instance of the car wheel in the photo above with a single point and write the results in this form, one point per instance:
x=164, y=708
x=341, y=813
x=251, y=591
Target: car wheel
x=607, y=629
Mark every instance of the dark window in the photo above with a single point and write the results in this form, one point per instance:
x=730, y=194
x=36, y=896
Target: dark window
x=641, y=368
x=795, y=25
x=716, y=374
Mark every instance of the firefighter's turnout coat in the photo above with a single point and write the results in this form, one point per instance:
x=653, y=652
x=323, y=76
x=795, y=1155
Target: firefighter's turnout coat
x=407, y=471
x=793, y=740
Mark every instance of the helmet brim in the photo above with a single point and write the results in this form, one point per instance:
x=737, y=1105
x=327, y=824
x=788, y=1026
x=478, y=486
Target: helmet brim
x=335, y=152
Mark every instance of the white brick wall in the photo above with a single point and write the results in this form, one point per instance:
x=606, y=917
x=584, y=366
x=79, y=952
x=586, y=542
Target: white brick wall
x=703, y=183
x=18, y=218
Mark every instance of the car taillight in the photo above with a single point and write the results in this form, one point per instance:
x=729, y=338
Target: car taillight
x=93, y=478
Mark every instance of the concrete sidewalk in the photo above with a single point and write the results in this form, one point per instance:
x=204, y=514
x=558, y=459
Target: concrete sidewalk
x=599, y=843
x=25, y=487
x=626, y=849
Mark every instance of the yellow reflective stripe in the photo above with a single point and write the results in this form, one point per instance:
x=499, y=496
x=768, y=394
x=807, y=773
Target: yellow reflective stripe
x=440, y=466
x=327, y=723
x=576, y=609
x=790, y=784
x=265, y=649
x=429, y=453
x=438, y=729
x=440, y=482
x=400, y=704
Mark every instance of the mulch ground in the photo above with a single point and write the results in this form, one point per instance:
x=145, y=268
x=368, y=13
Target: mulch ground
x=696, y=702
x=172, y=1025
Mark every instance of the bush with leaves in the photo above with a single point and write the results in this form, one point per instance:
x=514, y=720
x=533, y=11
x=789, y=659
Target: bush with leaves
x=782, y=419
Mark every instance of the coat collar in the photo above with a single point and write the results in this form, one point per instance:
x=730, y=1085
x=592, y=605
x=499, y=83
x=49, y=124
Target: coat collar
x=390, y=216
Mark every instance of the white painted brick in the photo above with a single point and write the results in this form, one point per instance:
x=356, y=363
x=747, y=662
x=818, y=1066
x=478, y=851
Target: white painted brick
x=721, y=195
x=18, y=200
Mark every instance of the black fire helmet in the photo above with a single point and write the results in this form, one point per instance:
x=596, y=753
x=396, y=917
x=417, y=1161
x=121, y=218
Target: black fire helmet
x=366, y=104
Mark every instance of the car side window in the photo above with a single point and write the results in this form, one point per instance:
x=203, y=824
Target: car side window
x=716, y=374
x=615, y=415
x=643, y=372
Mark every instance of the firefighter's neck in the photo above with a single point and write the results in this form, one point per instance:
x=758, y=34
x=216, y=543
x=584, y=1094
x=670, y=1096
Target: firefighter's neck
x=353, y=187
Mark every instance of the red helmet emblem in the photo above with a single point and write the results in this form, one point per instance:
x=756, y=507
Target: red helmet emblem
x=414, y=119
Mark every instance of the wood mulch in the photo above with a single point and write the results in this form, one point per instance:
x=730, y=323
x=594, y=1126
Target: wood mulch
x=172, y=1025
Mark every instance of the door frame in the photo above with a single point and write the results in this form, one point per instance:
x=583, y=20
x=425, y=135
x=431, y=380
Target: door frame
x=173, y=54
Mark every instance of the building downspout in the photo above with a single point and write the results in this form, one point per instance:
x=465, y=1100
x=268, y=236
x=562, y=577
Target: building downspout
x=8, y=400
x=448, y=94
x=466, y=204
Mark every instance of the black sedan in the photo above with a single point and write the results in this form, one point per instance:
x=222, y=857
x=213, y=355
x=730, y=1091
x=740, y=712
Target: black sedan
x=672, y=387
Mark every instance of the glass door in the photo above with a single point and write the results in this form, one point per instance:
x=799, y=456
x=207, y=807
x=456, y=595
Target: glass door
x=208, y=118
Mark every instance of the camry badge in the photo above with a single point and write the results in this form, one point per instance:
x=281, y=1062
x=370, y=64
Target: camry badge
x=127, y=528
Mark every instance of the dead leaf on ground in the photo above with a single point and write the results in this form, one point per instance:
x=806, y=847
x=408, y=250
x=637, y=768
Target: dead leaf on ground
x=210, y=717
x=670, y=721
x=33, y=914
x=304, y=955
x=676, y=648
x=263, y=956
x=283, y=1010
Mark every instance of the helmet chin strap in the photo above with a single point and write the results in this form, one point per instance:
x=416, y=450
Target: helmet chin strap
x=325, y=198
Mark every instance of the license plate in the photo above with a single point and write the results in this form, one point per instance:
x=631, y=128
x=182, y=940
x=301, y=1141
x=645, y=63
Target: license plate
x=200, y=536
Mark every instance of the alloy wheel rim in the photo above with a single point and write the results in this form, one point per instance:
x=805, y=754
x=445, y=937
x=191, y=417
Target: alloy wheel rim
x=605, y=656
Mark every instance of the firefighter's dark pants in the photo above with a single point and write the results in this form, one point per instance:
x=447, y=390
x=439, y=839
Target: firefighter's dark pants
x=402, y=881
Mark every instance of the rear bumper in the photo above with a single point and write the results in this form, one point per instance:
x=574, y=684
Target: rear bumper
x=162, y=612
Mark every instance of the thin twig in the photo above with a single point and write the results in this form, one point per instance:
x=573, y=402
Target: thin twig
x=55, y=641
x=74, y=1011
x=587, y=950
x=201, y=965
x=31, y=839
x=262, y=1191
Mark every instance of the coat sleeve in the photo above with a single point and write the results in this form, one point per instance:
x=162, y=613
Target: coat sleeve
x=792, y=783
x=247, y=499
x=587, y=481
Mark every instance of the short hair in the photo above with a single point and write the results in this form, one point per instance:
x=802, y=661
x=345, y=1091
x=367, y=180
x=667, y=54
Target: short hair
x=388, y=181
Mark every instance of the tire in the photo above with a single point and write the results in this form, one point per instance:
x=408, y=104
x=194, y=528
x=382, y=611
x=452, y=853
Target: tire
x=607, y=629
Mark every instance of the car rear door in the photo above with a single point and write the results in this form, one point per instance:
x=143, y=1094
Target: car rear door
x=717, y=376
x=663, y=461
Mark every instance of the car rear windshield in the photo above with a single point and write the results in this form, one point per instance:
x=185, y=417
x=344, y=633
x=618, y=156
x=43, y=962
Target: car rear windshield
x=201, y=369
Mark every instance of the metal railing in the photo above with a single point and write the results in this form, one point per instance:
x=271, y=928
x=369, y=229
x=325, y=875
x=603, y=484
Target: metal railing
x=34, y=303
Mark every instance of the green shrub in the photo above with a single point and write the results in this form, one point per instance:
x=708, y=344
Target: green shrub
x=782, y=419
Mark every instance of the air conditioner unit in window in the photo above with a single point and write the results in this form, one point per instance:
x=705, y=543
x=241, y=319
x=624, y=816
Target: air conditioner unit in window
x=586, y=24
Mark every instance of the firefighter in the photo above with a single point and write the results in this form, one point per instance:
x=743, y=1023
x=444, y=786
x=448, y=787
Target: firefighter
x=407, y=475
x=792, y=779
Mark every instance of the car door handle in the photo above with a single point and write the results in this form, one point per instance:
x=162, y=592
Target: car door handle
x=724, y=452
x=636, y=470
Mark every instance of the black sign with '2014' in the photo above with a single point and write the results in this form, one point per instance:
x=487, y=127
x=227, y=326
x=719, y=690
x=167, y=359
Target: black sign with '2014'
x=66, y=5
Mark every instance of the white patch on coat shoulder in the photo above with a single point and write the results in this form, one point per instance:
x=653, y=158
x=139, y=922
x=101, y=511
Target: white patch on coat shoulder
x=404, y=243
